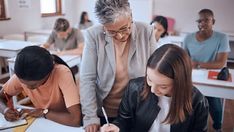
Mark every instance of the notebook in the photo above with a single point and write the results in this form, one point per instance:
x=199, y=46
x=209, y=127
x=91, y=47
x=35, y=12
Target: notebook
x=6, y=124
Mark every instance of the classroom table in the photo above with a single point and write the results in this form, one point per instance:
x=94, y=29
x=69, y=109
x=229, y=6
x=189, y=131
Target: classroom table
x=45, y=125
x=213, y=88
x=10, y=48
x=45, y=32
x=71, y=60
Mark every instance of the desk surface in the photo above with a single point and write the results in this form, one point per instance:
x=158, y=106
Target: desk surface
x=213, y=88
x=201, y=77
x=44, y=125
x=40, y=31
x=14, y=45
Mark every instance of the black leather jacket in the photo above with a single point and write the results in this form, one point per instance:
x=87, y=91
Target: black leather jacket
x=136, y=115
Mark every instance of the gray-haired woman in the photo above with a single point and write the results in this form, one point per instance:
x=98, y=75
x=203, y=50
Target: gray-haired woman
x=115, y=51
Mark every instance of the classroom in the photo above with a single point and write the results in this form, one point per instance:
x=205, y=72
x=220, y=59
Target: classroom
x=101, y=65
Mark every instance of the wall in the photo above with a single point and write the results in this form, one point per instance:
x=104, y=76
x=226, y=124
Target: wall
x=30, y=18
x=142, y=9
x=21, y=18
x=185, y=13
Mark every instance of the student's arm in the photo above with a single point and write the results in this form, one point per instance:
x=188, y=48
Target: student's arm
x=201, y=112
x=127, y=108
x=88, y=85
x=46, y=45
x=77, y=51
x=70, y=92
x=10, y=88
x=71, y=118
x=219, y=62
x=50, y=40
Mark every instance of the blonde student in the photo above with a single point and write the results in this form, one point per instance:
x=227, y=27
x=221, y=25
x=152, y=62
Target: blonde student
x=49, y=84
x=165, y=99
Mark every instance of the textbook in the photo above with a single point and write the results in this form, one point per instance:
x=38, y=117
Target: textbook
x=6, y=124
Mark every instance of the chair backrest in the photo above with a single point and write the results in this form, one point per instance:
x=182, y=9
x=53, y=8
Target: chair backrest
x=171, y=23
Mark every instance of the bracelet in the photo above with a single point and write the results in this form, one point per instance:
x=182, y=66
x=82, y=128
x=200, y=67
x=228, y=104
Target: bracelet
x=5, y=110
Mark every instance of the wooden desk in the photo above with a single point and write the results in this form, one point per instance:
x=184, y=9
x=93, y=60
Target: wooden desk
x=213, y=88
x=37, y=32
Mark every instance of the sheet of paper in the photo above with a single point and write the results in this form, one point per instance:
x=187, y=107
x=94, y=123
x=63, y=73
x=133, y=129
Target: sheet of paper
x=6, y=124
x=45, y=125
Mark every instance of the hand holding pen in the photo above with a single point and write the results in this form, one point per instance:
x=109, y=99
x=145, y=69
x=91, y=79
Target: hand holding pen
x=10, y=113
x=105, y=115
x=108, y=127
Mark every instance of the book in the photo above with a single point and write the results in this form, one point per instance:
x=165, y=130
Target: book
x=4, y=124
x=213, y=75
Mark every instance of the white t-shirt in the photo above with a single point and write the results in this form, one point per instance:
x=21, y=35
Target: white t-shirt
x=164, y=103
x=163, y=41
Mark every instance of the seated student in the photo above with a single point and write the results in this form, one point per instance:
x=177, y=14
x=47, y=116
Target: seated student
x=66, y=40
x=84, y=21
x=166, y=94
x=208, y=49
x=49, y=84
x=161, y=27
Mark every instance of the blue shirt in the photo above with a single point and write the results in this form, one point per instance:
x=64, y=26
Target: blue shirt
x=207, y=50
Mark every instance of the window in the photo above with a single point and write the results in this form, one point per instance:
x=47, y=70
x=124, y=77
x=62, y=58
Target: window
x=51, y=7
x=2, y=10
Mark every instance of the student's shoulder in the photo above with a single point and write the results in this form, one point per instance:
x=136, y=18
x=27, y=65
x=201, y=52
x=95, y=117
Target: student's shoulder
x=136, y=85
x=141, y=26
x=95, y=30
x=61, y=69
x=220, y=34
x=198, y=97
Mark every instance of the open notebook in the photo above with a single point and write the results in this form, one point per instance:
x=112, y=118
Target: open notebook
x=6, y=124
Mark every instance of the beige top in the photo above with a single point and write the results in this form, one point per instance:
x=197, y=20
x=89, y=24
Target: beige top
x=71, y=42
x=112, y=101
x=57, y=93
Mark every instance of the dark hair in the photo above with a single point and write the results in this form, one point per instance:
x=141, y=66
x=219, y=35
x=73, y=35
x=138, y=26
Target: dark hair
x=163, y=21
x=206, y=11
x=61, y=25
x=33, y=63
x=82, y=17
x=173, y=62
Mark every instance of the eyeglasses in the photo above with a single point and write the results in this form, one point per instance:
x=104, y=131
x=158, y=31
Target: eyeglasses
x=206, y=20
x=121, y=31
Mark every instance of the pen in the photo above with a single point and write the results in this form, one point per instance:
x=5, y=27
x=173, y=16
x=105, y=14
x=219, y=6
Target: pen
x=9, y=101
x=104, y=113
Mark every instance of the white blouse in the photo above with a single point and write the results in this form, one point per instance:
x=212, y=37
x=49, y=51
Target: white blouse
x=164, y=103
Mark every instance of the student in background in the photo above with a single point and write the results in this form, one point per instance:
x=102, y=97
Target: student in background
x=208, y=49
x=166, y=94
x=115, y=51
x=161, y=27
x=66, y=40
x=84, y=21
x=49, y=84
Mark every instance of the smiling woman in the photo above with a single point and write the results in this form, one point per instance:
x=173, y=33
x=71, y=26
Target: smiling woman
x=120, y=44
